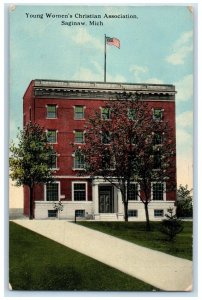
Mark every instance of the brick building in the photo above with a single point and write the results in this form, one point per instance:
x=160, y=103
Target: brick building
x=61, y=108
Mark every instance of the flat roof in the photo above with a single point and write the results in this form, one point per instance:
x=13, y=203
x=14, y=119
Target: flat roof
x=113, y=86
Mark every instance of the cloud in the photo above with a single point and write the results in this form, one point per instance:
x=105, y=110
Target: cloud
x=185, y=119
x=82, y=37
x=184, y=88
x=138, y=71
x=88, y=75
x=97, y=74
x=181, y=49
x=116, y=78
x=154, y=81
x=97, y=67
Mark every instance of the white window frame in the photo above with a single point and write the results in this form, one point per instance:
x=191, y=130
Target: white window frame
x=54, y=211
x=45, y=192
x=159, y=209
x=164, y=191
x=73, y=168
x=56, y=136
x=84, y=107
x=138, y=196
x=56, y=106
x=101, y=110
x=153, y=116
x=133, y=210
x=80, y=210
x=75, y=131
x=80, y=182
x=55, y=169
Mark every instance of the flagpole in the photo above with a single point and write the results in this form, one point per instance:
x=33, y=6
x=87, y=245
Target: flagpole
x=105, y=61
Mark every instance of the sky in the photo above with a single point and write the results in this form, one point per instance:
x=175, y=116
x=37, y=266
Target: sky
x=156, y=47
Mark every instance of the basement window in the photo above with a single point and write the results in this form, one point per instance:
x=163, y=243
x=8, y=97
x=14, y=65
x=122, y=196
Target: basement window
x=52, y=213
x=132, y=213
x=158, y=213
x=80, y=213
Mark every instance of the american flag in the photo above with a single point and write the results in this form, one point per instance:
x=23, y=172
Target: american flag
x=113, y=42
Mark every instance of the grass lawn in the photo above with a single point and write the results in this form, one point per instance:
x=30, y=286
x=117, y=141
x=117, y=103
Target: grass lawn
x=135, y=232
x=38, y=263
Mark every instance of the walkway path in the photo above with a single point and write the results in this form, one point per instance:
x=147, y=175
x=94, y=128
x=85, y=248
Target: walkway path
x=161, y=270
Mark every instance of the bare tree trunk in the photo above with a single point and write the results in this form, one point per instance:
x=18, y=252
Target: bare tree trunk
x=31, y=191
x=125, y=203
x=148, y=227
x=126, y=211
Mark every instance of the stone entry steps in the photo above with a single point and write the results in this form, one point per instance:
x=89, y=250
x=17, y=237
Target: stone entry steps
x=108, y=217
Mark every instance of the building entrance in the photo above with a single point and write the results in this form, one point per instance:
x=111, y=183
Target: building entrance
x=106, y=201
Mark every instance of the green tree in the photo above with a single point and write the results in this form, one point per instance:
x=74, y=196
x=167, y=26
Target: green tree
x=171, y=226
x=30, y=160
x=184, y=202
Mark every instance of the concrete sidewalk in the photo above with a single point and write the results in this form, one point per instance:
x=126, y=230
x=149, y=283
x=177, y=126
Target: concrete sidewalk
x=161, y=270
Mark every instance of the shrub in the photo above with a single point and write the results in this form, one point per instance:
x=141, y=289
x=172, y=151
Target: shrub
x=171, y=226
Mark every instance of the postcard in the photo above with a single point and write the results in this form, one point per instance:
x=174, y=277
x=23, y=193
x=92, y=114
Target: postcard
x=101, y=148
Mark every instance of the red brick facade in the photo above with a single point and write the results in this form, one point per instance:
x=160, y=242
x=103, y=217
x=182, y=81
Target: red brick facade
x=66, y=95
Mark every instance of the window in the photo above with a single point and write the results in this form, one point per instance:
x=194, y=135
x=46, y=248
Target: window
x=79, y=191
x=132, y=114
x=80, y=213
x=51, y=111
x=157, y=138
x=52, y=191
x=79, y=161
x=105, y=113
x=133, y=192
x=106, y=139
x=108, y=160
x=79, y=137
x=52, y=213
x=158, y=213
x=52, y=136
x=53, y=161
x=157, y=114
x=157, y=160
x=132, y=213
x=78, y=112
x=158, y=191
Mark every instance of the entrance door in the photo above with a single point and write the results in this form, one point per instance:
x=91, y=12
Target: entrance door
x=106, y=203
